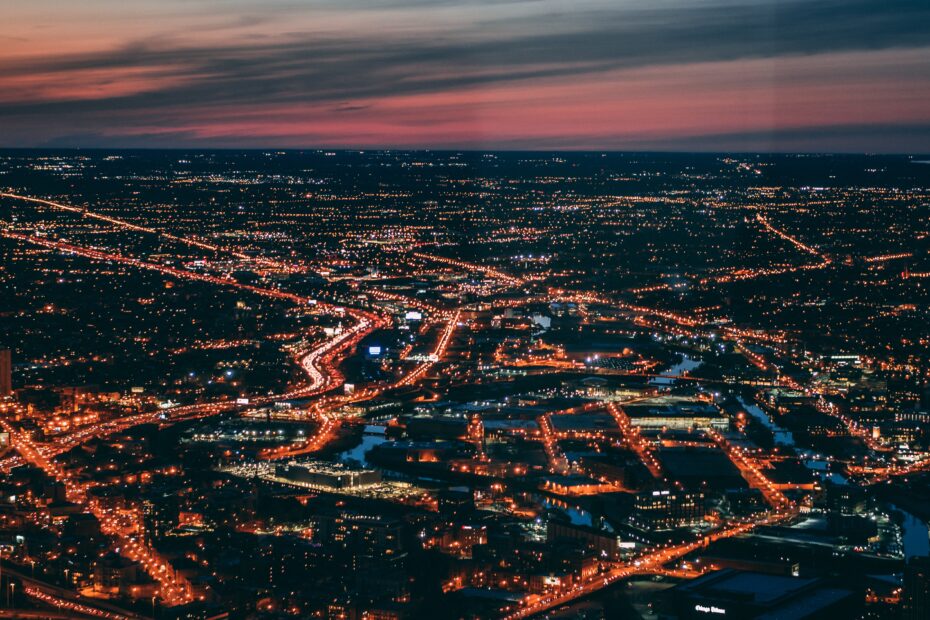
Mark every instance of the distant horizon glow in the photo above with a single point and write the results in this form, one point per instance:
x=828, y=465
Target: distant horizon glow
x=674, y=75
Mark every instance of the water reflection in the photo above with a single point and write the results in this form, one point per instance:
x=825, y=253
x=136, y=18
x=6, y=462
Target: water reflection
x=916, y=535
x=783, y=437
x=575, y=515
x=372, y=436
x=687, y=364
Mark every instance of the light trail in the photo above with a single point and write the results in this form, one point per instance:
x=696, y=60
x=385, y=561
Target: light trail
x=63, y=246
x=887, y=257
x=764, y=272
x=330, y=422
x=173, y=588
x=69, y=606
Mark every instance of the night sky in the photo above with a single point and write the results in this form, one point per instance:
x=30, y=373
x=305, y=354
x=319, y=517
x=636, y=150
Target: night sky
x=745, y=75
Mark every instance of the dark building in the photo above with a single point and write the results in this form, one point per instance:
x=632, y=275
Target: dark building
x=743, y=595
x=113, y=572
x=915, y=604
x=456, y=501
x=438, y=427
x=365, y=538
x=604, y=544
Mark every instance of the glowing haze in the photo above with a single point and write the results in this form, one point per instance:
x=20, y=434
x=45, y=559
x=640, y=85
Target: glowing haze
x=818, y=75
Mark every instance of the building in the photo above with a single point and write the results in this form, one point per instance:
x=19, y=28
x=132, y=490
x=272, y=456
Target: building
x=681, y=416
x=6, y=373
x=655, y=511
x=583, y=425
x=575, y=484
x=327, y=475
x=915, y=602
x=604, y=544
x=461, y=539
x=740, y=595
x=456, y=501
x=372, y=547
x=113, y=573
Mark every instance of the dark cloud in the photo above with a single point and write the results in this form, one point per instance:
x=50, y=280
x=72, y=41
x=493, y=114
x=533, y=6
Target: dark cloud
x=906, y=138
x=901, y=138
x=343, y=70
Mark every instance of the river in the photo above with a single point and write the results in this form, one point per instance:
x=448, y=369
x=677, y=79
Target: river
x=687, y=364
x=783, y=437
x=372, y=436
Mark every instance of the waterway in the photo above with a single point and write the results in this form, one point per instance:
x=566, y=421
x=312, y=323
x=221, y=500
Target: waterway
x=783, y=437
x=822, y=469
x=687, y=364
x=372, y=436
x=575, y=515
x=916, y=535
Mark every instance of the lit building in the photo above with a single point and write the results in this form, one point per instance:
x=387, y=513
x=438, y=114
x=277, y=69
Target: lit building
x=666, y=510
x=6, y=372
x=328, y=475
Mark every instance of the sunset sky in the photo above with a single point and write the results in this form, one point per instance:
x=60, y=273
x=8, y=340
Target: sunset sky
x=749, y=75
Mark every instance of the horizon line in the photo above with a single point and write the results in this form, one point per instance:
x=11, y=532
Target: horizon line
x=350, y=149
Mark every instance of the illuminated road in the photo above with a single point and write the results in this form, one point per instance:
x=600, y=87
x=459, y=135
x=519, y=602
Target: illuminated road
x=68, y=607
x=751, y=471
x=789, y=238
x=557, y=462
x=68, y=604
x=649, y=563
x=320, y=361
x=114, y=257
x=174, y=589
x=325, y=410
x=488, y=271
x=435, y=356
x=278, y=265
x=635, y=440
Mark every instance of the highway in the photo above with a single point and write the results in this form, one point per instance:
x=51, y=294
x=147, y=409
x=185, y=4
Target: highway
x=790, y=238
x=488, y=271
x=325, y=410
x=435, y=356
x=121, y=223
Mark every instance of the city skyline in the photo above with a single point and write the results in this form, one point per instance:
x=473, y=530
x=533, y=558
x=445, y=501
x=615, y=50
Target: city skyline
x=672, y=76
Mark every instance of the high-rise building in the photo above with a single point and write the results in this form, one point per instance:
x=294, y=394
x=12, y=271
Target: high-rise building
x=6, y=372
x=916, y=600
